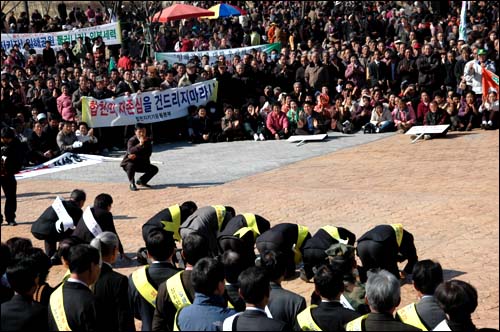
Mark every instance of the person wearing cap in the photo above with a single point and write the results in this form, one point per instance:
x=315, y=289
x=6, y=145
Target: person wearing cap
x=190, y=77
x=10, y=164
x=473, y=72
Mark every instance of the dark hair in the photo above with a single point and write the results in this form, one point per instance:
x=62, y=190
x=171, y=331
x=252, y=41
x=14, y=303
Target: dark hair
x=233, y=265
x=65, y=245
x=206, y=275
x=427, y=275
x=329, y=282
x=41, y=263
x=81, y=258
x=457, y=298
x=78, y=195
x=83, y=123
x=103, y=201
x=254, y=285
x=187, y=209
x=160, y=244
x=140, y=125
x=22, y=275
x=274, y=263
x=194, y=248
x=5, y=257
x=7, y=132
x=19, y=246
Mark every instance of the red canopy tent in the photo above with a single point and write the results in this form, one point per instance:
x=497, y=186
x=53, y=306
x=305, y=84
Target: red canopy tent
x=180, y=11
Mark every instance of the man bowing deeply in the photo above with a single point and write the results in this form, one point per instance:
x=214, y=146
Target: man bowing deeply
x=139, y=149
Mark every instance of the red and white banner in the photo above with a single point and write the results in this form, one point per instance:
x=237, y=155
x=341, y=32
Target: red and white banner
x=490, y=82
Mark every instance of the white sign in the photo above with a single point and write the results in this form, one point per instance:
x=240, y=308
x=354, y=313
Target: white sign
x=63, y=162
x=147, y=107
x=417, y=130
x=111, y=35
x=300, y=138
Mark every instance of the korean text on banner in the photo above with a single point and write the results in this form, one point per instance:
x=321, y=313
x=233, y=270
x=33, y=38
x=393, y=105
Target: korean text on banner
x=111, y=35
x=147, y=107
x=183, y=57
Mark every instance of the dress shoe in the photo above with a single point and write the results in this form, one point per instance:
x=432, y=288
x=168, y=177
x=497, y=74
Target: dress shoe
x=12, y=223
x=133, y=187
x=140, y=183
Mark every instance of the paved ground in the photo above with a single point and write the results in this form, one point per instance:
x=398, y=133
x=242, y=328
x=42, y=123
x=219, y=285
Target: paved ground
x=445, y=192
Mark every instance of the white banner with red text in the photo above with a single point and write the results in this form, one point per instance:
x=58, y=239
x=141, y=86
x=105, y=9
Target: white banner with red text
x=147, y=107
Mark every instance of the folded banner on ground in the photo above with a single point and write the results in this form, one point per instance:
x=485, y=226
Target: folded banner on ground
x=63, y=162
x=111, y=35
x=490, y=82
x=147, y=107
x=183, y=57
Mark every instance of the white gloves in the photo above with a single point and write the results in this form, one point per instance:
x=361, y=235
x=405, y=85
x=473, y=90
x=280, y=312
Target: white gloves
x=77, y=144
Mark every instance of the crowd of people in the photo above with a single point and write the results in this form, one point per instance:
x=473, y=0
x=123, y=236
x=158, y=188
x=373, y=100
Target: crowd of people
x=218, y=281
x=374, y=66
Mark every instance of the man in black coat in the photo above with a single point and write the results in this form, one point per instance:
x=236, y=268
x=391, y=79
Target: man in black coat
x=314, y=248
x=254, y=289
x=383, y=247
x=383, y=294
x=97, y=219
x=240, y=233
x=21, y=313
x=139, y=150
x=74, y=298
x=54, y=225
x=169, y=219
x=287, y=239
x=144, y=281
x=329, y=315
x=10, y=164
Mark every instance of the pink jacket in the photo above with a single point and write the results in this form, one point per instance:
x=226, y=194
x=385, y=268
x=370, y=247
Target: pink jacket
x=276, y=122
x=65, y=107
x=407, y=115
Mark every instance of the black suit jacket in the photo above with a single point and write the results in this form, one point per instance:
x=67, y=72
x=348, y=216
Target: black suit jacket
x=157, y=274
x=163, y=319
x=254, y=320
x=332, y=316
x=154, y=223
x=385, y=322
x=80, y=308
x=285, y=305
x=104, y=218
x=111, y=291
x=142, y=153
x=430, y=312
x=23, y=314
x=44, y=227
x=377, y=72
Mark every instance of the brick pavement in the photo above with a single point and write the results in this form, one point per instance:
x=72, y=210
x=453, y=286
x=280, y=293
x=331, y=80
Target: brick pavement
x=445, y=192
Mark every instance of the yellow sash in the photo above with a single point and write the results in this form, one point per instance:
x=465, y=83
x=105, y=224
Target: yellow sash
x=409, y=315
x=147, y=291
x=66, y=276
x=334, y=233
x=302, y=234
x=398, y=229
x=252, y=223
x=176, y=291
x=243, y=231
x=221, y=213
x=57, y=309
x=174, y=225
x=356, y=325
x=306, y=320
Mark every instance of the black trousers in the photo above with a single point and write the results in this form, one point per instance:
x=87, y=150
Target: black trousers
x=148, y=170
x=9, y=186
x=376, y=255
x=313, y=258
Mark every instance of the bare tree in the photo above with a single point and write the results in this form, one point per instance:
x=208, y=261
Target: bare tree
x=14, y=5
x=143, y=12
x=46, y=5
x=115, y=7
